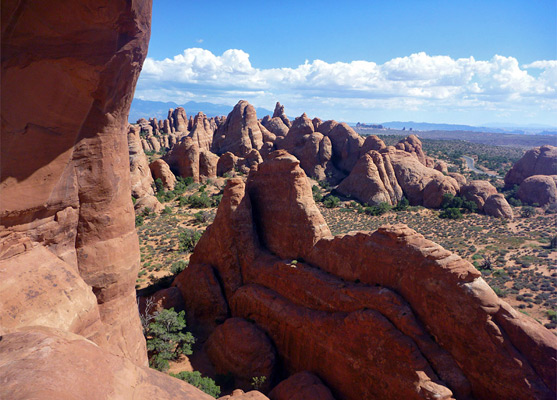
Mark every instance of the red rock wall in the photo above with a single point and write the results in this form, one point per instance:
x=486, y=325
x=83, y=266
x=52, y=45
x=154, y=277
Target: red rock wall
x=69, y=70
x=384, y=314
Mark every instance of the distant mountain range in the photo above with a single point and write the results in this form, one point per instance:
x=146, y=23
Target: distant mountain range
x=426, y=126
x=147, y=109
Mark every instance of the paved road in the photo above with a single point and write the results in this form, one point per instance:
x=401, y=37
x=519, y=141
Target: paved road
x=471, y=167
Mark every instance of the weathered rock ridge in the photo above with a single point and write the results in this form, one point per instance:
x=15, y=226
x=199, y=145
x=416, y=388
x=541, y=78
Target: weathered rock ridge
x=390, y=310
x=366, y=170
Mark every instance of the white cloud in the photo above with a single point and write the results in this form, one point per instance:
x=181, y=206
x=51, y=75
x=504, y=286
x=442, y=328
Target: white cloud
x=418, y=81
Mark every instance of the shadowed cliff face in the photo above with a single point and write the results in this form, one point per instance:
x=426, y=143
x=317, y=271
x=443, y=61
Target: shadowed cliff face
x=69, y=70
x=384, y=314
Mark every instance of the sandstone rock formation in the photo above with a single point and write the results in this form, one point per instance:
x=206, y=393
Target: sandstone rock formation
x=497, y=206
x=312, y=148
x=160, y=170
x=241, y=348
x=413, y=145
x=187, y=160
x=163, y=299
x=240, y=133
x=414, y=177
x=301, y=386
x=202, y=132
x=538, y=161
x=65, y=178
x=345, y=142
x=180, y=120
x=372, y=180
x=279, y=113
x=538, y=189
x=140, y=174
x=44, y=363
x=387, y=309
x=69, y=256
x=478, y=191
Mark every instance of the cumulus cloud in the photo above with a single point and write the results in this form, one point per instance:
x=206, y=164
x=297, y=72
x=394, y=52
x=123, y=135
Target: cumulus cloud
x=419, y=81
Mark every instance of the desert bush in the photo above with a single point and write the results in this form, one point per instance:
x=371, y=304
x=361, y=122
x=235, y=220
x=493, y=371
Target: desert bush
x=178, y=267
x=167, y=339
x=317, y=196
x=451, y=213
x=187, y=240
x=331, y=201
x=195, y=378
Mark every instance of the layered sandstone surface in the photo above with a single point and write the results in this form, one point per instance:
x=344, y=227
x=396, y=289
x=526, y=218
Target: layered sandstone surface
x=385, y=314
x=69, y=326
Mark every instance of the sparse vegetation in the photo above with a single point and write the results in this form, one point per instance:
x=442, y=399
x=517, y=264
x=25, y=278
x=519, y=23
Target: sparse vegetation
x=166, y=338
x=195, y=378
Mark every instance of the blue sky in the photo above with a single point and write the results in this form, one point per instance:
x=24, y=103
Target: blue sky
x=471, y=62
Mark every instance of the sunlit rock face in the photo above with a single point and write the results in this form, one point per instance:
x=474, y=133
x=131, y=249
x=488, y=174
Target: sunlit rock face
x=69, y=71
x=385, y=314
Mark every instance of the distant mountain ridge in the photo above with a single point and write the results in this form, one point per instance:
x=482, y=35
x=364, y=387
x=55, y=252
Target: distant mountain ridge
x=159, y=109
x=427, y=126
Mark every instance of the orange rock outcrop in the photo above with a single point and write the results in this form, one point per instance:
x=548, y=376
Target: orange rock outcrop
x=390, y=310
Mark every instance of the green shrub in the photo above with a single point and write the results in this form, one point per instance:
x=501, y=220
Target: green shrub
x=317, y=196
x=200, y=200
x=201, y=217
x=527, y=212
x=139, y=220
x=178, y=267
x=331, y=202
x=187, y=240
x=205, y=384
x=166, y=338
x=451, y=213
x=402, y=204
x=379, y=209
x=167, y=210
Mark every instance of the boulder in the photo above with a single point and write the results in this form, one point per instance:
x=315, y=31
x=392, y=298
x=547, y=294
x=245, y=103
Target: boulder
x=290, y=223
x=478, y=191
x=301, y=386
x=160, y=170
x=207, y=166
x=148, y=203
x=538, y=189
x=242, y=349
x=537, y=161
x=372, y=142
x=437, y=187
x=227, y=163
x=441, y=166
x=497, y=206
x=276, y=126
